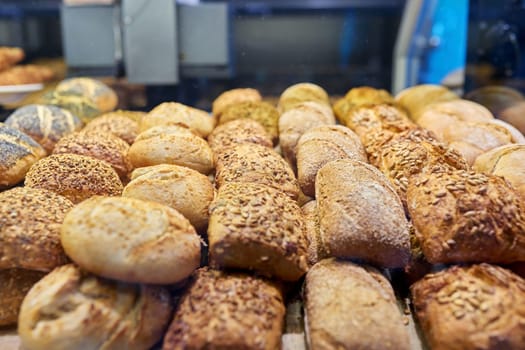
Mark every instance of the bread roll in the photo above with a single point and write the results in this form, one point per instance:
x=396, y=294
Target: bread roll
x=14, y=285
x=360, y=214
x=261, y=112
x=173, y=144
x=316, y=249
x=45, y=124
x=514, y=115
x=462, y=216
x=184, y=189
x=173, y=113
x=320, y=145
x=18, y=152
x=74, y=176
x=496, y=98
x=9, y=56
x=234, y=96
x=516, y=135
x=227, y=311
x=131, y=240
x=416, y=98
x=296, y=121
x=368, y=117
x=359, y=96
x=236, y=132
x=256, y=164
x=478, y=307
x=100, y=145
x=351, y=307
x=256, y=227
x=102, y=95
x=82, y=106
x=30, y=221
x=71, y=309
x=302, y=92
x=117, y=123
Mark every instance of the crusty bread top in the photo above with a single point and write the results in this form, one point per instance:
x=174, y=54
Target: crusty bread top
x=355, y=97
x=117, y=124
x=234, y=96
x=386, y=116
x=236, y=132
x=15, y=145
x=302, y=92
x=104, y=97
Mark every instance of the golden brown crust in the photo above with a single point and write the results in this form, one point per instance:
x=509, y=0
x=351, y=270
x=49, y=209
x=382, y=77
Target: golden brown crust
x=236, y=132
x=102, y=95
x=258, y=228
x=352, y=307
x=365, y=118
x=234, y=96
x=30, y=221
x=299, y=93
x=416, y=98
x=10, y=56
x=117, y=124
x=74, y=176
x=463, y=216
x=360, y=214
x=479, y=307
x=227, y=311
x=356, y=97
x=71, y=309
x=25, y=74
x=131, y=240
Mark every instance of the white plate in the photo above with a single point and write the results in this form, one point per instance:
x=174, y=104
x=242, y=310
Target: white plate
x=15, y=93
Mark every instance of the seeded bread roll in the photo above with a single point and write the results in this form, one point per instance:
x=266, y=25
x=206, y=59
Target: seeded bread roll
x=365, y=118
x=71, y=309
x=116, y=123
x=183, y=189
x=173, y=144
x=462, y=216
x=296, y=121
x=323, y=144
x=480, y=307
x=99, y=145
x=302, y=92
x=360, y=214
x=131, y=240
x=227, y=311
x=74, y=176
x=30, y=221
x=256, y=227
x=261, y=112
x=173, y=113
x=234, y=96
x=359, y=96
x=102, y=95
x=256, y=164
x=236, y=132
x=18, y=152
x=351, y=307
x=416, y=98
x=14, y=285
x=316, y=250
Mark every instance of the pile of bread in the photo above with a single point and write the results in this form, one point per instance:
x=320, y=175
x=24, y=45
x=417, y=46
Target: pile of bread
x=13, y=74
x=188, y=230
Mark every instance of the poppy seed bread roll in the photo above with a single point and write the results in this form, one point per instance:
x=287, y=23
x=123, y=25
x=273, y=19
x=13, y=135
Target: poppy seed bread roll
x=237, y=132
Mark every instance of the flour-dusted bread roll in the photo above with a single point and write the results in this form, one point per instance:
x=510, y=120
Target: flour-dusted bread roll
x=234, y=96
x=323, y=144
x=120, y=123
x=74, y=176
x=99, y=93
x=173, y=144
x=294, y=123
x=316, y=249
x=227, y=311
x=173, y=113
x=365, y=118
x=183, y=189
x=18, y=152
x=44, y=123
x=256, y=227
x=131, y=240
x=416, y=98
x=478, y=307
x=463, y=216
x=351, y=307
x=360, y=214
x=100, y=145
x=237, y=132
x=359, y=96
x=256, y=164
x=302, y=92
x=71, y=309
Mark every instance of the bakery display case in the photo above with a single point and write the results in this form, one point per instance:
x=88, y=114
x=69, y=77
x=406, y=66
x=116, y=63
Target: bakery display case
x=262, y=174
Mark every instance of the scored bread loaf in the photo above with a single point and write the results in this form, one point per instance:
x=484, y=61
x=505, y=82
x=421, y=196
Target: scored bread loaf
x=120, y=123
x=256, y=227
x=299, y=93
x=479, y=307
x=360, y=214
x=234, y=96
x=363, y=95
x=104, y=98
x=351, y=307
x=227, y=311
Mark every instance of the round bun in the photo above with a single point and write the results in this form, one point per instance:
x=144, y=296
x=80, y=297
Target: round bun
x=302, y=92
x=236, y=132
x=102, y=95
x=45, y=124
x=366, y=118
x=261, y=112
x=131, y=240
x=514, y=115
x=74, y=176
x=30, y=229
x=180, y=188
x=172, y=144
x=496, y=98
x=70, y=309
x=116, y=123
x=359, y=96
x=416, y=98
x=18, y=152
x=99, y=145
x=232, y=97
